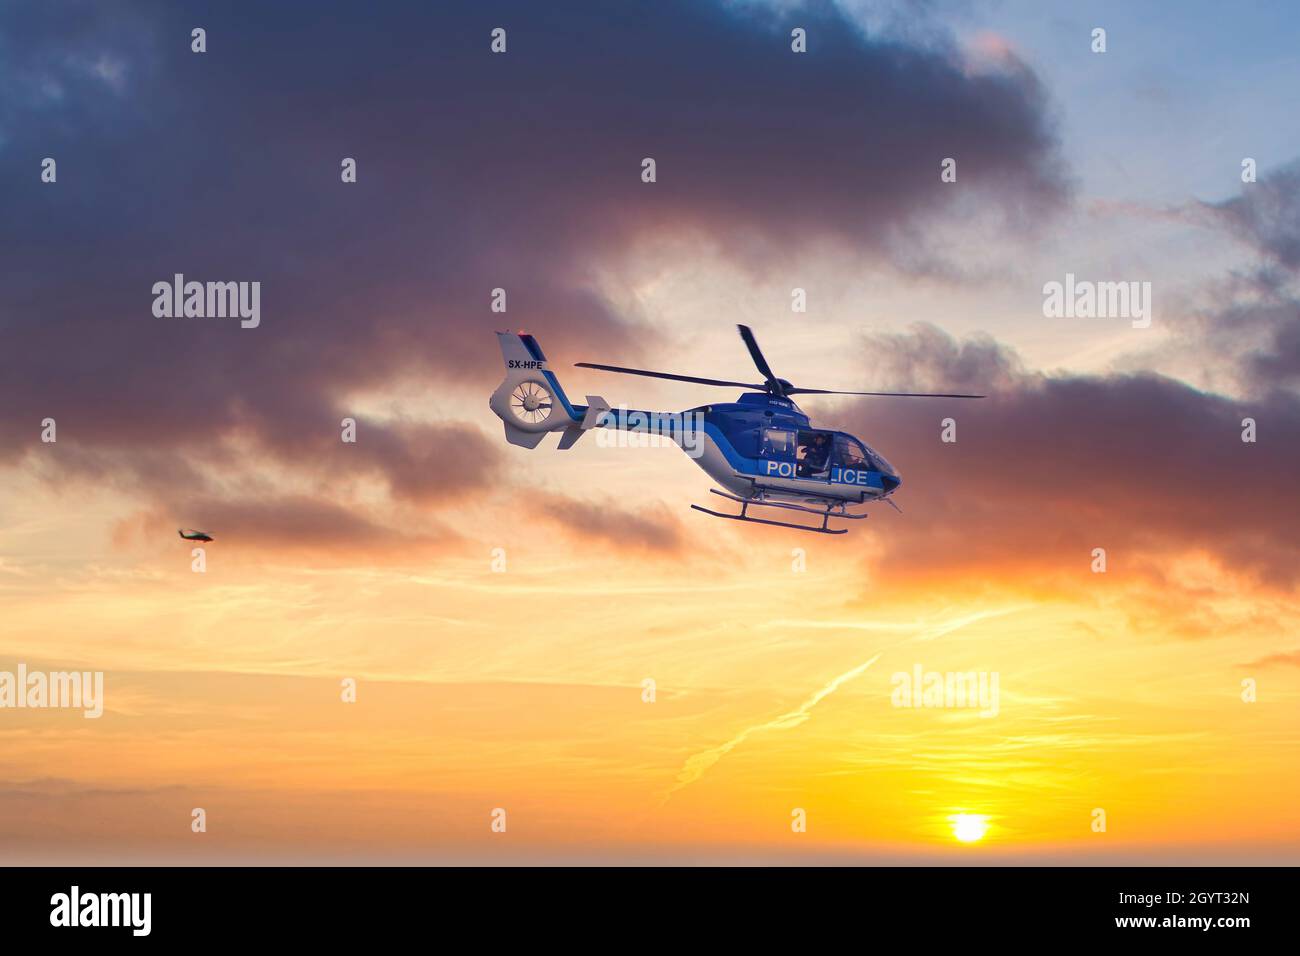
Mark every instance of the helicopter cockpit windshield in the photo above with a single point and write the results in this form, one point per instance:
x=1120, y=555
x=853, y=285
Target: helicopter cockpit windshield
x=849, y=453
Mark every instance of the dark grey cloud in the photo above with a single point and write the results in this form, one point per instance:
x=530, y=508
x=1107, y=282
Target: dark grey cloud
x=1266, y=215
x=1049, y=467
x=330, y=532
x=1254, y=315
x=476, y=171
x=648, y=529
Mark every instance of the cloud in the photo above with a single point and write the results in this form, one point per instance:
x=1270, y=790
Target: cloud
x=1265, y=215
x=1051, y=466
x=288, y=524
x=1252, y=316
x=651, y=529
x=1286, y=659
x=1249, y=317
x=476, y=171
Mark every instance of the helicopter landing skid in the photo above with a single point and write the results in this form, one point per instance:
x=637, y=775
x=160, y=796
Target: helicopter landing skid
x=744, y=503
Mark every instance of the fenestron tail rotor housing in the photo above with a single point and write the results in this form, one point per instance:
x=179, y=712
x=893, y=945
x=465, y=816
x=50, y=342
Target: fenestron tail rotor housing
x=531, y=403
x=528, y=403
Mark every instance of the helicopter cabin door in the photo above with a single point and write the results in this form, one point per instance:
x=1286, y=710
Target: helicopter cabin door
x=776, y=450
x=814, y=454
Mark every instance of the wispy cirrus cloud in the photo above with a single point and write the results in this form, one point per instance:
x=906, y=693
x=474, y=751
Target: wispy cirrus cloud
x=699, y=763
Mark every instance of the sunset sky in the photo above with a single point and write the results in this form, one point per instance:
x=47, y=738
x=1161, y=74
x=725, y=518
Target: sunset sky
x=523, y=688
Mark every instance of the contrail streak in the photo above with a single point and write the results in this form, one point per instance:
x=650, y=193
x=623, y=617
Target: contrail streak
x=697, y=764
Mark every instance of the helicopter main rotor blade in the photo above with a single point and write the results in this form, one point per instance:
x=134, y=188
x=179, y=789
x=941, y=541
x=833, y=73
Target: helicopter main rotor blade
x=668, y=375
x=831, y=391
x=751, y=343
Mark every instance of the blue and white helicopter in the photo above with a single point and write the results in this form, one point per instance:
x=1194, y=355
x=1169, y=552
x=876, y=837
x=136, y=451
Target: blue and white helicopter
x=761, y=448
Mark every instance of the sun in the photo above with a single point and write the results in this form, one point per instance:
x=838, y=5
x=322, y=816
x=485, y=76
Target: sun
x=969, y=827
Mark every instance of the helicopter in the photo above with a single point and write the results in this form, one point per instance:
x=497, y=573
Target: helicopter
x=762, y=448
x=189, y=534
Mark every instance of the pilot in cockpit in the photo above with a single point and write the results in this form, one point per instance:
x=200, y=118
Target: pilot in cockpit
x=814, y=454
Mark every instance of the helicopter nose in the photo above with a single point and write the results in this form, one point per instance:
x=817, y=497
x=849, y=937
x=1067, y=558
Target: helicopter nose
x=890, y=482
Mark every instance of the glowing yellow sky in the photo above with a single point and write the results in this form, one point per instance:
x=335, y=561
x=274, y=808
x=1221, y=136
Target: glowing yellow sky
x=523, y=689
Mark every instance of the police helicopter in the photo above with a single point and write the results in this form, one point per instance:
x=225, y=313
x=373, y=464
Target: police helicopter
x=762, y=449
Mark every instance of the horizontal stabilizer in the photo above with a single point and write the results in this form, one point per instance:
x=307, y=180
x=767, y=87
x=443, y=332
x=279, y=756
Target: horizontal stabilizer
x=596, y=407
x=570, y=437
x=517, y=436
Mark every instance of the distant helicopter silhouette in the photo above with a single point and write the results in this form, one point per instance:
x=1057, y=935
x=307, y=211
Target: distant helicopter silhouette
x=189, y=534
x=761, y=448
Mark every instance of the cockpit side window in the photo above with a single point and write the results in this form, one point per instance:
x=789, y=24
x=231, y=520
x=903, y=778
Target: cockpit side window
x=778, y=443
